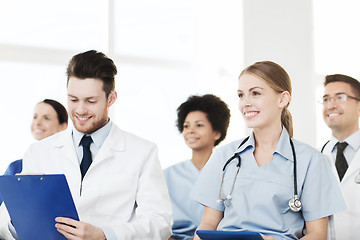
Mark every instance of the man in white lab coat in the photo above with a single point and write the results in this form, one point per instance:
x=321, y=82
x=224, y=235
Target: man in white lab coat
x=121, y=193
x=341, y=111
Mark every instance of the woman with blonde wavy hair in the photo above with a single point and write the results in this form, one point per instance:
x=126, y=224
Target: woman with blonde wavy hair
x=268, y=182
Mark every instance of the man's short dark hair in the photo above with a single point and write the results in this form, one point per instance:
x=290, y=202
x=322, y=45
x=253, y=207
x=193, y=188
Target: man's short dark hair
x=93, y=64
x=355, y=84
x=216, y=110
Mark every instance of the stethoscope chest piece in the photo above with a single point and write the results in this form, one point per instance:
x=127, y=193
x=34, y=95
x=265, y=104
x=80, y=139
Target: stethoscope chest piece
x=295, y=204
x=357, y=179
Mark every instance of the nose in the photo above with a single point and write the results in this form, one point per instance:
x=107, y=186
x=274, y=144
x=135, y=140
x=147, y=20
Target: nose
x=189, y=129
x=37, y=121
x=80, y=108
x=244, y=102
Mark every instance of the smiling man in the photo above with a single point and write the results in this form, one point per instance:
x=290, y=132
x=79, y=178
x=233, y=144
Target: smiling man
x=341, y=113
x=114, y=176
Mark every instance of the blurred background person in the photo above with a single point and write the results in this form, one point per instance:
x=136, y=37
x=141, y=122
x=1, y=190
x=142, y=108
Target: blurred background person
x=50, y=117
x=341, y=111
x=203, y=122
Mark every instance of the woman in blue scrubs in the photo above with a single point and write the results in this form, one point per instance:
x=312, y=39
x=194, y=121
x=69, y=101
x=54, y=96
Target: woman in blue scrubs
x=257, y=197
x=203, y=122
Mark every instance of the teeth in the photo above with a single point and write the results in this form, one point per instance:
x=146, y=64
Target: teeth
x=333, y=114
x=82, y=118
x=250, y=114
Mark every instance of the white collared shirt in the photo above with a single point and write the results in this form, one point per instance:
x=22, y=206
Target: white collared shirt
x=98, y=138
x=354, y=144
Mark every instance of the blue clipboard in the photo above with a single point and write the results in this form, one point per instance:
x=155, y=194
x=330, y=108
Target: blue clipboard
x=33, y=202
x=228, y=235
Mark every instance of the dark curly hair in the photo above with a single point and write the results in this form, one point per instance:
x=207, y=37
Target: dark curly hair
x=216, y=110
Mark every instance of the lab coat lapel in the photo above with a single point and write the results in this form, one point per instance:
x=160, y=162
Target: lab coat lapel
x=353, y=168
x=66, y=147
x=327, y=152
x=115, y=142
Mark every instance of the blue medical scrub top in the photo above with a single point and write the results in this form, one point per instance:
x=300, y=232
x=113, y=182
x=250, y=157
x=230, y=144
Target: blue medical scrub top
x=187, y=213
x=261, y=194
x=14, y=168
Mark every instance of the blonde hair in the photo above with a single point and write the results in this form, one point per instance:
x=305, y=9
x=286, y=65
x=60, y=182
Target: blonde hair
x=278, y=79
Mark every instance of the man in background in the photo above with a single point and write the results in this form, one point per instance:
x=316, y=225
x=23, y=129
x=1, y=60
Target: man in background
x=341, y=111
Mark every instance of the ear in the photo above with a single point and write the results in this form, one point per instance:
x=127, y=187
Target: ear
x=217, y=136
x=284, y=99
x=112, y=98
x=63, y=126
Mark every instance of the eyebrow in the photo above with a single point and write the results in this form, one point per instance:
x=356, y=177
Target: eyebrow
x=195, y=121
x=327, y=95
x=251, y=89
x=96, y=97
x=255, y=88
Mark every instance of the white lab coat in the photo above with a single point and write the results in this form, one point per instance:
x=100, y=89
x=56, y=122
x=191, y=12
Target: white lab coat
x=123, y=192
x=346, y=224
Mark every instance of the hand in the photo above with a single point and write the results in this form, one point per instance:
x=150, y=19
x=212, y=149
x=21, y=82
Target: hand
x=77, y=230
x=268, y=238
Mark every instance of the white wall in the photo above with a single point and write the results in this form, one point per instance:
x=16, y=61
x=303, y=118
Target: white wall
x=282, y=31
x=167, y=50
x=164, y=51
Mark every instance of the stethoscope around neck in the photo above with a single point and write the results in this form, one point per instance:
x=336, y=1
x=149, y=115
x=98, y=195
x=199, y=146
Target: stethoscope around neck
x=294, y=203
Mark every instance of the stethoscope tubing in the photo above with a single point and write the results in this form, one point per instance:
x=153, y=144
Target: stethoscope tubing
x=294, y=203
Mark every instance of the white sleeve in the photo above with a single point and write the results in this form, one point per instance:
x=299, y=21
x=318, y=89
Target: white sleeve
x=4, y=221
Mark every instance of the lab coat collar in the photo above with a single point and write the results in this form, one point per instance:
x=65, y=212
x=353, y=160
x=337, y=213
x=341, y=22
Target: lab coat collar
x=115, y=140
x=64, y=142
x=353, y=140
x=98, y=136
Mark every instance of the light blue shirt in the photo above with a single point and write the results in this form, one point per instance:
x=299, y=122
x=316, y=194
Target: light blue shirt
x=353, y=146
x=187, y=213
x=261, y=194
x=98, y=138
